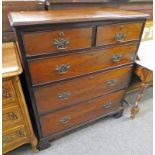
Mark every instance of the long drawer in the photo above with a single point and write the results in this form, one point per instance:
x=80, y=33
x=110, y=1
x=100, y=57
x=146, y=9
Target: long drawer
x=58, y=121
x=45, y=42
x=67, y=93
x=66, y=66
x=120, y=32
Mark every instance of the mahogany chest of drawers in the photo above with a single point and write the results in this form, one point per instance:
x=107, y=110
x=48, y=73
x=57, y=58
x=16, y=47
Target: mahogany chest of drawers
x=16, y=125
x=77, y=64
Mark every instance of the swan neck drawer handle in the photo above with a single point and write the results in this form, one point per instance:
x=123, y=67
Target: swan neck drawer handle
x=120, y=36
x=61, y=43
x=62, y=68
x=64, y=119
x=64, y=95
x=111, y=82
x=107, y=105
x=116, y=57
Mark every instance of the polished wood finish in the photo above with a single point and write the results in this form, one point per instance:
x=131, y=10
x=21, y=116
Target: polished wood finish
x=16, y=124
x=87, y=62
x=66, y=88
x=14, y=138
x=13, y=67
x=78, y=38
x=90, y=87
x=70, y=15
x=107, y=34
x=81, y=113
x=10, y=116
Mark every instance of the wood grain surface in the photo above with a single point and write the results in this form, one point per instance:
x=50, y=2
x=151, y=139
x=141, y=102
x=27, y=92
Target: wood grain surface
x=45, y=70
x=10, y=63
x=70, y=15
x=42, y=42
x=48, y=98
x=81, y=113
x=106, y=34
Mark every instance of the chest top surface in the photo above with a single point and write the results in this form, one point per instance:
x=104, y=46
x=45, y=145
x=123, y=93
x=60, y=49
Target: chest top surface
x=10, y=63
x=70, y=15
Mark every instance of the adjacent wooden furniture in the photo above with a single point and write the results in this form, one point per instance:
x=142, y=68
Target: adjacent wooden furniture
x=144, y=65
x=146, y=76
x=16, y=124
x=77, y=64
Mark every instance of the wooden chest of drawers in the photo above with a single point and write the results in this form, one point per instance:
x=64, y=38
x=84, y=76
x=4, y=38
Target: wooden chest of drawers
x=77, y=64
x=16, y=125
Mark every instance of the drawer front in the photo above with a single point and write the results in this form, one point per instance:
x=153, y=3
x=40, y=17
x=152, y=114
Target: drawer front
x=67, y=93
x=11, y=117
x=117, y=33
x=8, y=93
x=64, y=119
x=66, y=66
x=46, y=42
x=13, y=138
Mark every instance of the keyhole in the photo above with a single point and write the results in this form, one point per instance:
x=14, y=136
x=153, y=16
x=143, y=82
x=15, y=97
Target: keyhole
x=61, y=34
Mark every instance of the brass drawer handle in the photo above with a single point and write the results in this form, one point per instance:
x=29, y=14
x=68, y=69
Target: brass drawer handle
x=111, y=82
x=6, y=93
x=116, y=57
x=64, y=119
x=61, y=44
x=64, y=95
x=107, y=105
x=62, y=68
x=120, y=36
x=10, y=116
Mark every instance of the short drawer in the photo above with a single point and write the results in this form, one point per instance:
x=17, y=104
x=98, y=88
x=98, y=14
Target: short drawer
x=11, y=117
x=67, y=93
x=64, y=119
x=8, y=92
x=67, y=66
x=14, y=138
x=117, y=33
x=45, y=42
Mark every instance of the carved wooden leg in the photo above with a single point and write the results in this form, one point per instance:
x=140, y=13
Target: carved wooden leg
x=135, y=108
x=34, y=144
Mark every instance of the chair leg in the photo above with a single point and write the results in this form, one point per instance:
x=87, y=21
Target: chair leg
x=135, y=108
